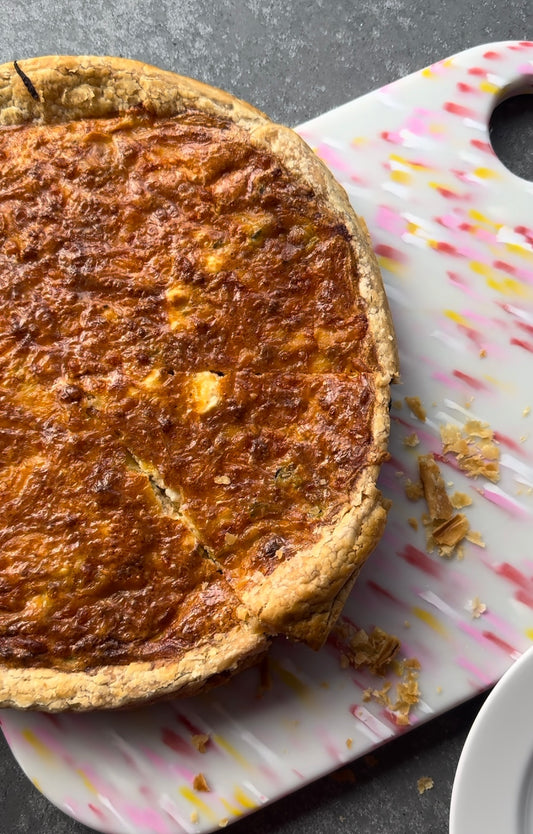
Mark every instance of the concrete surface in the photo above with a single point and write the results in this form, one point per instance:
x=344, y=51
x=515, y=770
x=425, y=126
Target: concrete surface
x=294, y=60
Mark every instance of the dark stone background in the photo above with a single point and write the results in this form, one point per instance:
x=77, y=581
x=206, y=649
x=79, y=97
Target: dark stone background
x=293, y=60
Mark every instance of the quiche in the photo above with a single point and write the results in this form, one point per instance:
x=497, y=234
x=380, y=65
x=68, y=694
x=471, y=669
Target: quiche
x=195, y=359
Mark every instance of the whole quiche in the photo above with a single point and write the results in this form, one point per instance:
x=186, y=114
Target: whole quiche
x=196, y=352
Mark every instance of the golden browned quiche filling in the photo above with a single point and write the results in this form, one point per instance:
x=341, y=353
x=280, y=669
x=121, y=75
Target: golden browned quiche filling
x=192, y=398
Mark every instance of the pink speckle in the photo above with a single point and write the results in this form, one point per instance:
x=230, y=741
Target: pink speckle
x=380, y=730
x=389, y=221
x=474, y=670
x=459, y=110
x=392, y=136
x=504, y=502
x=526, y=69
x=149, y=819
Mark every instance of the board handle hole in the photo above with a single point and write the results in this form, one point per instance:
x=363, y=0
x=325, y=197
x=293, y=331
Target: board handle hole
x=511, y=132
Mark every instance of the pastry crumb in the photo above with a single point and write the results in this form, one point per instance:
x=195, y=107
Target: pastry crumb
x=482, y=353
x=407, y=624
x=460, y=500
x=200, y=740
x=413, y=523
x=434, y=488
x=349, y=743
x=475, y=537
x=474, y=448
x=397, y=405
x=413, y=490
x=415, y=406
x=199, y=783
x=194, y=816
x=411, y=440
x=425, y=783
x=476, y=607
x=223, y=822
x=527, y=411
x=438, y=690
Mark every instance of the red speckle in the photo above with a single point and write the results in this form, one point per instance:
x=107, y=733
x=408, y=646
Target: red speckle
x=389, y=252
x=465, y=88
x=523, y=596
x=459, y=110
x=473, y=383
x=507, y=441
x=488, y=635
x=447, y=248
x=175, y=742
x=413, y=556
x=96, y=811
x=525, y=326
x=466, y=227
x=525, y=232
x=389, y=137
x=192, y=728
x=448, y=194
x=504, y=267
x=382, y=591
x=491, y=56
x=477, y=71
x=482, y=146
x=513, y=575
x=523, y=344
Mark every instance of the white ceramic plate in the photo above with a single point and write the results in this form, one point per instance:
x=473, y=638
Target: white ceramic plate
x=493, y=788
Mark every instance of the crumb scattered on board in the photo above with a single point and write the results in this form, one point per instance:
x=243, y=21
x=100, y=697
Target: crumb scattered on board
x=376, y=652
x=199, y=783
x=477, y=608
x=411, y=440
x=200, y=741
x=415, y=406
x=474, y=449
x=194, y=816
x=425, y=783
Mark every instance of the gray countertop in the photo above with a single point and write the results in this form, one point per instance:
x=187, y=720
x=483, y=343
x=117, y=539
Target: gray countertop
x=293, y=60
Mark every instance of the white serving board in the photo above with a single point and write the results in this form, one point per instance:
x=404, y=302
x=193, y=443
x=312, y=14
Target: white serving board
x=454, y=233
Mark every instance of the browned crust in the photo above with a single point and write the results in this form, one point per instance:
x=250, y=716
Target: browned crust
x=303, y=596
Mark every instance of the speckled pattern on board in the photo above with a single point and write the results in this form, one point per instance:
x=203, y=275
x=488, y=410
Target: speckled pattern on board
x=450, y=226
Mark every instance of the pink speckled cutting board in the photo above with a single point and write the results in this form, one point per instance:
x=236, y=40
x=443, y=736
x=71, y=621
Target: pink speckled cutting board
x=453, y=232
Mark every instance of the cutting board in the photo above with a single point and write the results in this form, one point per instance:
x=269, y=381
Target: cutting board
x=453, y=231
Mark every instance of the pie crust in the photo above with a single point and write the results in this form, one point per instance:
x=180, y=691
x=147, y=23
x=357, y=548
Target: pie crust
x=312, y=423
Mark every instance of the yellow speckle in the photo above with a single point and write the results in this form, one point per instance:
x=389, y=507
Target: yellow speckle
x=487, y=87
x=291, y=680
x=438, y=690
x=243, y=799
x=529, y=633
x=390, y=265
x=485, y=173
x=231, y=809
x=428, y=73
x=435, y=127
x=37, y=744
x=481, y=218
x=430, y=620
x=516, y=249
x=198, y=803
x=457, y=318
x=86, y=781
x=229, y=748
x=508, y=286
x=481, y=269
x=401, y=176
x=526, y=412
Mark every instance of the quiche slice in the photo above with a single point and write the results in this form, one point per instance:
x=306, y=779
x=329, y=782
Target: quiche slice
x=195, y=358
